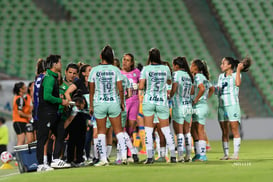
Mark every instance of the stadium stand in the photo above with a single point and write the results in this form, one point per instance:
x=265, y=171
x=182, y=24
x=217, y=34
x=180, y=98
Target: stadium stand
x=249, y=26
x=27, y=33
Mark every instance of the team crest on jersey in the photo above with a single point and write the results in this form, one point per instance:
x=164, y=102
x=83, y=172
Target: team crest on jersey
x=134, y=74
x=235, y=115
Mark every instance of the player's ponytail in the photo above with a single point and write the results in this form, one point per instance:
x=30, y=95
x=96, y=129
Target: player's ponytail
x=107, y=54
x=205, y=70
x=154, y=56
x=247, y=63
x=234, y=63
x=202, y=67
x=182, y=63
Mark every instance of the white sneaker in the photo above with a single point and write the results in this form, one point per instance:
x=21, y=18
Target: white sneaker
x=225, y=157
x=58, y=163
x=180, y=159
x=130, y=159
x=125, y=162
x=44, y=167
x=101, y=163
x=187, y=158
x=234, y=157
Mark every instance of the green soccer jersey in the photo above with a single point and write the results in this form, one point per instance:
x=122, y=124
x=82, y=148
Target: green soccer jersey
x=63, y=87
x=182, y=96
x=201, y=79
x=105, y=78
x=156, y=77
x=227, y=90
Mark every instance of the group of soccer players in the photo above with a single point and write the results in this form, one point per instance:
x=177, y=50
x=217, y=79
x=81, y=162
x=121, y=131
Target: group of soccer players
x=133, y=103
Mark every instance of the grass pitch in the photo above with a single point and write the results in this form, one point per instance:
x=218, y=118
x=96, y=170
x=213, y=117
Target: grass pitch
x=255, y=164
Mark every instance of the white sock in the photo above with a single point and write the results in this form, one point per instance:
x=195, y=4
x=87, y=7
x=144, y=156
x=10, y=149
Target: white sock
x=188, y=143
x=236, y=145
x=180, y=144
x=225, y=148
x=149, y=141
x=118, y=152
x=122, y=143
x=92, y=151
x=196, y=147
x=202, y=145
x=169, y=140
x=45, y=159
x=157, y=141
x=162, y=152
x=108, y=150
x=129, y=143
x=95, y=151
x=102, y=147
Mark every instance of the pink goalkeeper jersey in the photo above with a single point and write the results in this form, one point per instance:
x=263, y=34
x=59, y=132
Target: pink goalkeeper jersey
x=133, y=77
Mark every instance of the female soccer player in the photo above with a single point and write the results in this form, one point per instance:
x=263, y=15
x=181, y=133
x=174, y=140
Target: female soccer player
x=229, y=109
x=202, y=91
x=126, y=87
x=182, y=106
x=132, y=103
x=155, y=76
x=20, y=116
x=107, y=100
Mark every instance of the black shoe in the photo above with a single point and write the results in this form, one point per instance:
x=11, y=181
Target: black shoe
x=173, y=159
x=95, y=161
x=136, y=159
x=108, y=160
x=149, y=161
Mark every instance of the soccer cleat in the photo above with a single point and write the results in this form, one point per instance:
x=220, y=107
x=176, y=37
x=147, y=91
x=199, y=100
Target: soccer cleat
x=234, y=157
x=160, y=159
x=173, y=160
x=95, y=161
x=81, y=164
x=44, y=167
x=130, y=159
x=187, y=158
x=142, y=152
x=180, y=159
x=124, y=162
x=118, y=162
x=196, y=157
x=149, y=161
x=136, y=159
x=225, y=157
x=101, y=163
x=59, y=164
x=208, y=148
x=202, y=158
x=88, y=162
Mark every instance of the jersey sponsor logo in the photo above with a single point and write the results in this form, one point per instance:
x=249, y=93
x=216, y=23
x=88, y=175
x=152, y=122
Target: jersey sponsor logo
x=185, y=79
x=156, y=98
x=154, y=74
x=100, y=74
x=105, y=98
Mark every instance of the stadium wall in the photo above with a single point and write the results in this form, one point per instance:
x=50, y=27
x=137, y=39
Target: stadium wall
x=251, y=129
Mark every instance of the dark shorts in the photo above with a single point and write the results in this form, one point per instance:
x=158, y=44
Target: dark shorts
x=35, y=125
x=19, y=127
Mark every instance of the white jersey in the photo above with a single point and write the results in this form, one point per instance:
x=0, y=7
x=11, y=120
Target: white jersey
x=228, y=92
